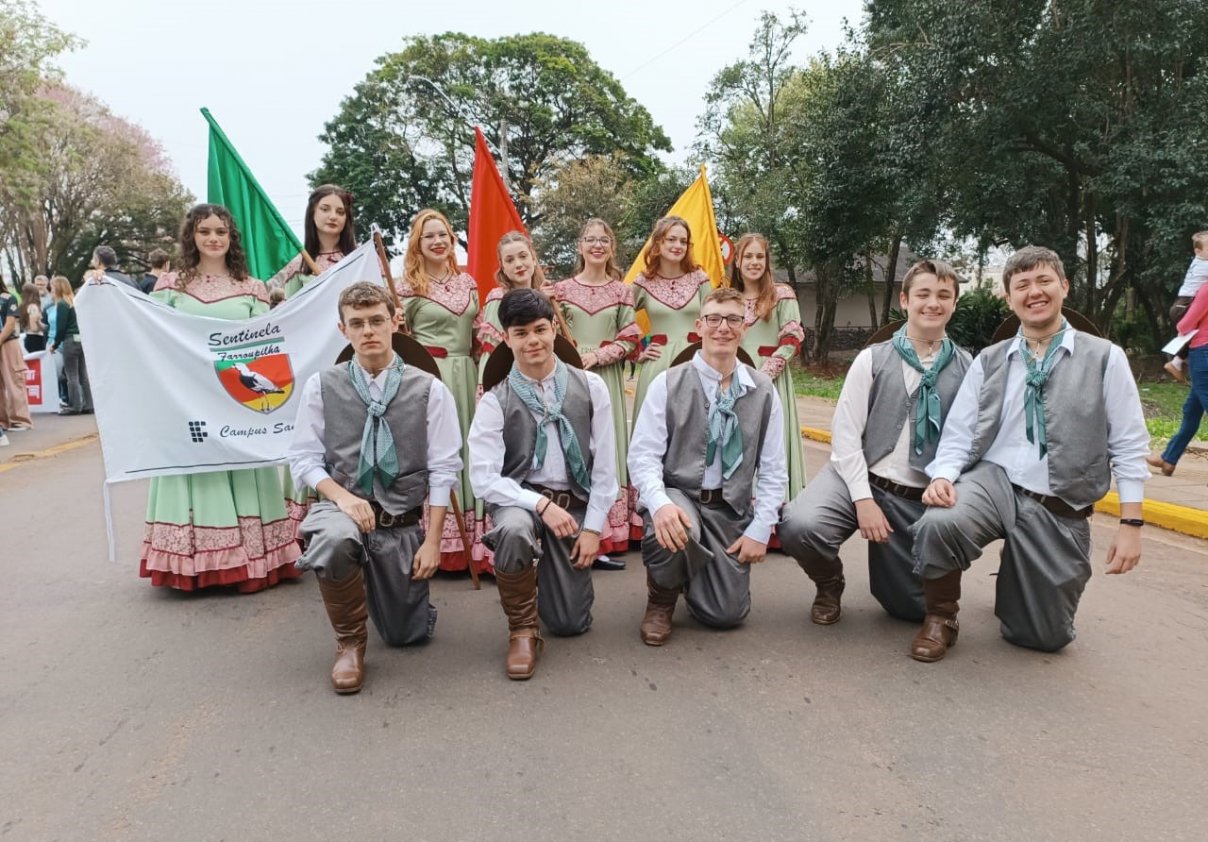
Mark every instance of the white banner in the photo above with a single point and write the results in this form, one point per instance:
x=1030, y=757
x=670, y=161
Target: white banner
x=42, y=381
x=181, y=394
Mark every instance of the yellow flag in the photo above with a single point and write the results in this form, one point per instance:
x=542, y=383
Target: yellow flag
x=695, y=206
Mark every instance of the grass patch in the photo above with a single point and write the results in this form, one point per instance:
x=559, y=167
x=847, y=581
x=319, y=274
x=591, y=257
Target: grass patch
x=814, y=384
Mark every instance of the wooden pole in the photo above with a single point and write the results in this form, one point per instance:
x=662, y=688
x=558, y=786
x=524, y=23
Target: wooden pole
x=311, y=266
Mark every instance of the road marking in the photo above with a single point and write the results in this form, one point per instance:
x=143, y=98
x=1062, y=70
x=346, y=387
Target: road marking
x=20, y=459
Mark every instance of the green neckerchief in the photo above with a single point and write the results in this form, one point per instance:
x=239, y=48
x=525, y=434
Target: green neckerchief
x=723, y=428
x=1033, y=396
x=378, y=455
x=928, y=418
x=533, y=396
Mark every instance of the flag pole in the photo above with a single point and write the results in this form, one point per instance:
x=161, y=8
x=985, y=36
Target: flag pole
x=454, y=505
x=310, y=263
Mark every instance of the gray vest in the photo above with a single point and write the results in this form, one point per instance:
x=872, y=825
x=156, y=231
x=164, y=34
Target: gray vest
x=1074, y=414
x=344, y=415
x=520, y=428
x=688, y=435
x=890, y=408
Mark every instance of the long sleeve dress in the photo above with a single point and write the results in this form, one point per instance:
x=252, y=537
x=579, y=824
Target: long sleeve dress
x=772, y=344
x=224, y=527
x=672, y=306
x=601, y=318
x=443, y=322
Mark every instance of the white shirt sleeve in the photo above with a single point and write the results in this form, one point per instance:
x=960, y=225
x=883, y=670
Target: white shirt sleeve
x=957, y=436
x=847, y=427
x=772, y=479
x=1127, y=435
x=648, y=446
x=486, y=460
x=307, y=454
x=604, y=485
x=444, y=444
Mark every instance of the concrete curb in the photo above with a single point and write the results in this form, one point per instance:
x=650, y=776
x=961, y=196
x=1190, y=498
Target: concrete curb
x=1184, y=519
x=20, y=459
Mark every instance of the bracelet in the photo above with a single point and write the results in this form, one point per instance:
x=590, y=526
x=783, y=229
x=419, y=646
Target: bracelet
x=541, y=511
x=1131, y=521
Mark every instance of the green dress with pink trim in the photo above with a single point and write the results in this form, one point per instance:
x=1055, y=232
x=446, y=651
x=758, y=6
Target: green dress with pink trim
x=224, y=527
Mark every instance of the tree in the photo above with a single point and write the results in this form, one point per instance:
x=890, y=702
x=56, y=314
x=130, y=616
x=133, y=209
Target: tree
x=399, y=144
x=596, y=185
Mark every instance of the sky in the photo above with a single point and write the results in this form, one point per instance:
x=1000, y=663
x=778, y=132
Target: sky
x=272, y=72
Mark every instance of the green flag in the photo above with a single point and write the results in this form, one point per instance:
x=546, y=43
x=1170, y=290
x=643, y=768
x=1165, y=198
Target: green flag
x=268, y=242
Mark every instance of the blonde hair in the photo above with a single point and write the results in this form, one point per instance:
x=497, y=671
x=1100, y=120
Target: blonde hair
x=610, y=268
x=538, y=280
x=60, y=288
x=653, y=255
x=414, y=272
x=765, y=302
x=1199, y=239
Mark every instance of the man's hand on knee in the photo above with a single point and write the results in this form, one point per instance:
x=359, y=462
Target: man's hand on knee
x=558, y=519
x=748, y=550
x=585, y=550
x=940, y=493
x=671, y=526
x=359, y=510
x=427, y=558
x=874, y=526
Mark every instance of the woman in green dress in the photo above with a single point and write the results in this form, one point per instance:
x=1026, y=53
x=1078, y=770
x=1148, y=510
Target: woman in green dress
x=225, y=527
x=328, y=235
x=440, y=305
x=773, y=338
x=598, y=307
x=518, y=269
x=669, y=290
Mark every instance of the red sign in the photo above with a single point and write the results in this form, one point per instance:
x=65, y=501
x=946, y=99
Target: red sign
x=33, y=382
x=727, y=248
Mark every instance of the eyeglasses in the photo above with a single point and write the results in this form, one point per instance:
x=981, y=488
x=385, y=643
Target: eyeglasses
x=373, y=323
x=714, y=320
x=596, y=241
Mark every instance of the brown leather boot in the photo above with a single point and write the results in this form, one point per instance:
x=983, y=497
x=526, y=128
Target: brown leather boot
x=660, y=606
x=518, y=596
x=347, y=610
x=942, y=597
x=826, y=608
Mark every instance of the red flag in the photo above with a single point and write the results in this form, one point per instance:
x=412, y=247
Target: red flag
x=492, y=214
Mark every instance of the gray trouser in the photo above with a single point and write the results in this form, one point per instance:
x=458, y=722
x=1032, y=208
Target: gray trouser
x=1045, y=561
x=823, y=516
x=335, y=547
x=79, y=392
x=716, y=587
x=564, y=595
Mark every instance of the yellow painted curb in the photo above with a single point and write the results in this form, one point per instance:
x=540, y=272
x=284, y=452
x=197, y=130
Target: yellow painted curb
x=21, y=458
x=1184, y=519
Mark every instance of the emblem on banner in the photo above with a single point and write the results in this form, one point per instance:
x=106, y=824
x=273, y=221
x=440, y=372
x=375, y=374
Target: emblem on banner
x=260, y=383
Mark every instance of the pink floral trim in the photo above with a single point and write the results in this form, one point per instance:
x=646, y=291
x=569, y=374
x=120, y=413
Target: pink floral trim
x=324, y=260
x=792, y=334
x=676, y=293
x=592, y=299
x=773, y=366
x=211, y=288
x=188, y=550
x=455, y=295
x=496, y=294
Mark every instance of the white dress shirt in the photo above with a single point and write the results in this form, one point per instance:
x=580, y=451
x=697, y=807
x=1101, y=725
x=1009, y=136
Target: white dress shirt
x=1127, y=437
x=307, y=454
x=649, y=445
x=847, y=431
x=487, y=451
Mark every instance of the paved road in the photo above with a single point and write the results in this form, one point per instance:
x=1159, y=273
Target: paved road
x=132, y=713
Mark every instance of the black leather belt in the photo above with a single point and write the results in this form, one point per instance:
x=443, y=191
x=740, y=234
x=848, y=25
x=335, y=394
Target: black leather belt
x=386, y=520
x=711, y=497
x=560, y=497
x=907, y=491
x=1055, y=504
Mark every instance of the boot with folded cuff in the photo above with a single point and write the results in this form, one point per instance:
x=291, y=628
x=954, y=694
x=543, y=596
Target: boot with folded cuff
x=941, y=597
x=518, y=596
x=660, y=607
x=348, y=612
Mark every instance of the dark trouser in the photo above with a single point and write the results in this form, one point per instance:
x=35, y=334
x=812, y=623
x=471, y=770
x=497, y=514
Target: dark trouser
x=717, y=589
x=79, y=392
x=35, y=342
x=817, y=522
x=1045, y=562
x=1177, y=310
x=564, y=595
x=1193, y=406
x=335, y=546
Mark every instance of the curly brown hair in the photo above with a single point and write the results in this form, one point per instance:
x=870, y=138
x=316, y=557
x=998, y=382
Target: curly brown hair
x=190, y=257
x=661, y=229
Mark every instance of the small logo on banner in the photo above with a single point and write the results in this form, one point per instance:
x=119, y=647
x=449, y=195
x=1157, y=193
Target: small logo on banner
x=251, y=367
x=197, y=431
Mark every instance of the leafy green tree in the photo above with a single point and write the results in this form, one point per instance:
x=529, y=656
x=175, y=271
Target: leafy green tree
x=402, y=140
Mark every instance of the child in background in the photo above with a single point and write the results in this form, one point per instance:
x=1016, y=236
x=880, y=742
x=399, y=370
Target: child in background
x=1197, y=275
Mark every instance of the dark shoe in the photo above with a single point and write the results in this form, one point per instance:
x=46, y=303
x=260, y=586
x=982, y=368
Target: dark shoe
x=942, y=598
x=604, y=562
x=1158, y=463
x=826, y=608
x=660, y=608
x=86, y=412
x=518, y=596
x=347, y=611
x=1176, y=372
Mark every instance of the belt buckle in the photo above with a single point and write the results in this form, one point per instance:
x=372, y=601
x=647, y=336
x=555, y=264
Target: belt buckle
x=386, y=520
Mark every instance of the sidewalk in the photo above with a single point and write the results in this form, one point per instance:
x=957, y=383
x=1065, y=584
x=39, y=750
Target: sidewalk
x=51, y=434
x=1178, y=502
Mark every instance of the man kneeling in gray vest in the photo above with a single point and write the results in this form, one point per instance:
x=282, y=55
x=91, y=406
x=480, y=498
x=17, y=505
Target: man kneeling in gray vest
x=886, y=429
x=709, y=437
x=543, y=458
x=1040, y=425
x=374, y=436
